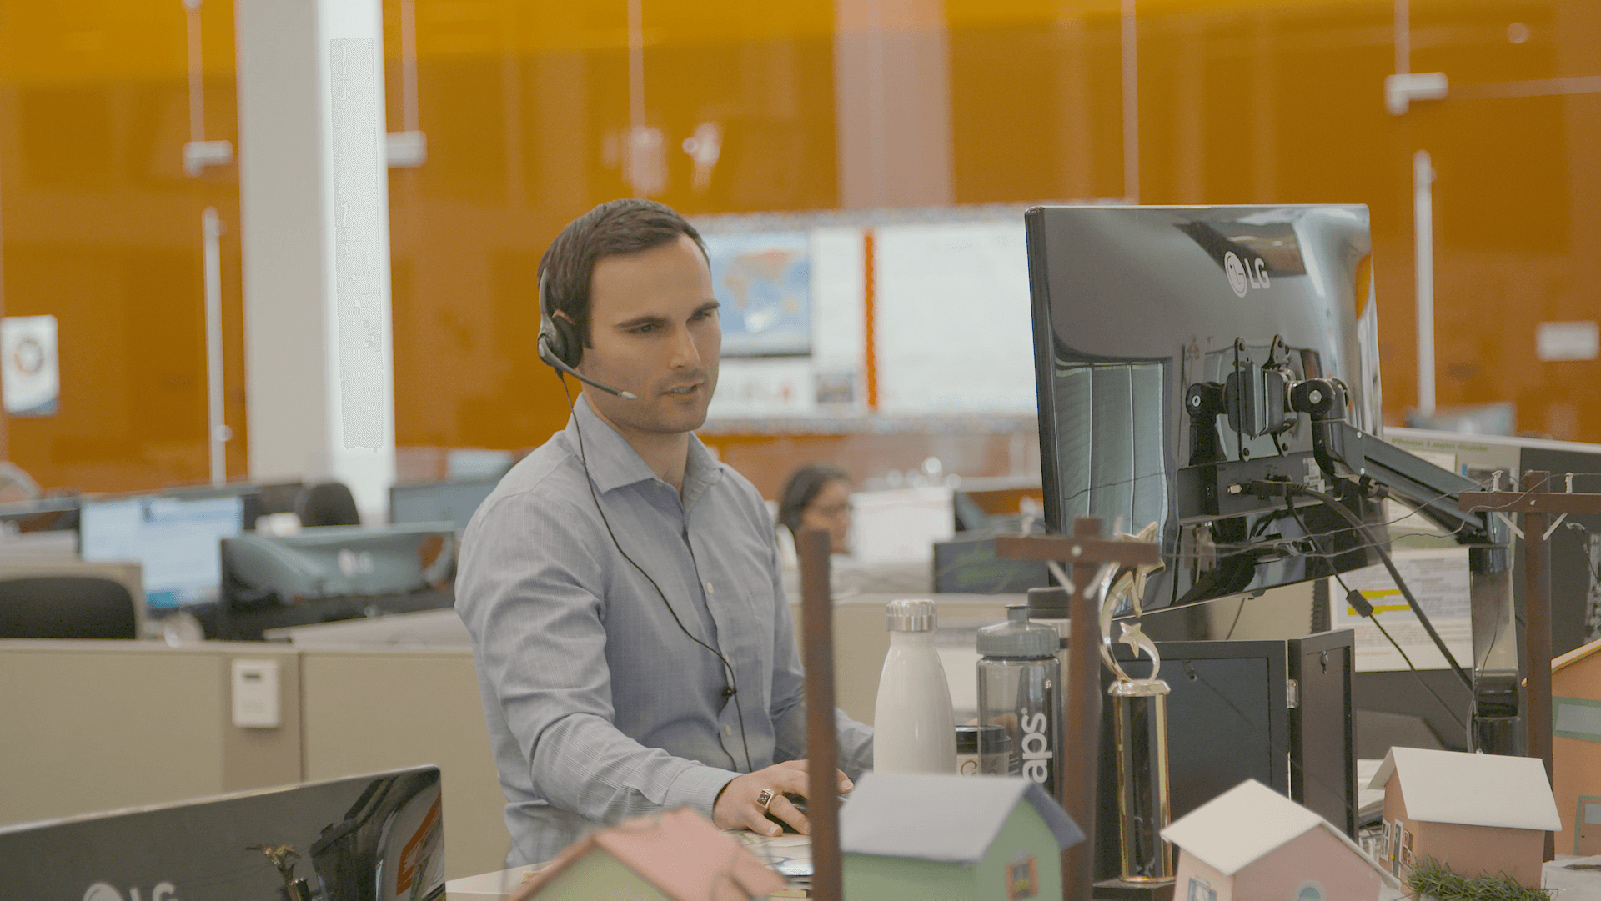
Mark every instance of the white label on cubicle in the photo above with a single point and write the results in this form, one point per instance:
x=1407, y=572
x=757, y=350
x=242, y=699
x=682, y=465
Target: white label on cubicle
x=255, y=694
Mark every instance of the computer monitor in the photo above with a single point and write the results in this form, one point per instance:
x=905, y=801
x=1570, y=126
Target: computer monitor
x=45, y=514
x=175, y=540
x=1134, y=305
x=332, y=573
x=452, y=501
x=357, y=838
x=249, y=494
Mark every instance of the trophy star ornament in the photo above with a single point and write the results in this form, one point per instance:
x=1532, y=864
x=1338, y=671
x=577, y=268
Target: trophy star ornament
x=1130, y=584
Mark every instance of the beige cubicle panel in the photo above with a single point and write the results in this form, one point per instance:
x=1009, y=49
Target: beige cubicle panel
x=99, y=725
x=376, y=709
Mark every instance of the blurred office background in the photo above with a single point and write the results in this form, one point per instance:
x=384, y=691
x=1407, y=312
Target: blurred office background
x=533, y=111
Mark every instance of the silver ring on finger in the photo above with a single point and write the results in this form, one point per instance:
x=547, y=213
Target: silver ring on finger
x=764, y=798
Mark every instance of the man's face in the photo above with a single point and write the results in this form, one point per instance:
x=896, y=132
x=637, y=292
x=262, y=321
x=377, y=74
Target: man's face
x=654, y=331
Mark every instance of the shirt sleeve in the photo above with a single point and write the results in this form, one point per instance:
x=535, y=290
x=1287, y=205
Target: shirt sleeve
x=789, y=697
x=531, y=592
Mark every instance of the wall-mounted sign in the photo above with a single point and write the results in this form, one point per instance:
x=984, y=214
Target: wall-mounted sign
x=29, y=379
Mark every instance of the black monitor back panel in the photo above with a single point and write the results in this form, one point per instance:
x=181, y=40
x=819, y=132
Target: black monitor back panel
x=1229, y=719
x=361, y=838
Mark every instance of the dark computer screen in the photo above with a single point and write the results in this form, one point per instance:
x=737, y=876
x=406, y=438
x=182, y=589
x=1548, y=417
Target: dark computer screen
x=46, y=514
x=332, y=573
x=1232, y=715
x=175, y=540
x=1134, y=305
x=360, y=838
x=452, y=501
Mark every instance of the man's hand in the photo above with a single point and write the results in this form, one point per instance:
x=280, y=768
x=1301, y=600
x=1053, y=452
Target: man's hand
x=740, y=807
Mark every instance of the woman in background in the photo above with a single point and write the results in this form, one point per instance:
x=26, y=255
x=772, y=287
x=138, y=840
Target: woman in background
x=818, y=496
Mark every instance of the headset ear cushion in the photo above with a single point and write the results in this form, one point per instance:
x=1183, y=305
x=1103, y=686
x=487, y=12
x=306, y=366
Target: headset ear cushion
x=564, y=342
x=557, y=334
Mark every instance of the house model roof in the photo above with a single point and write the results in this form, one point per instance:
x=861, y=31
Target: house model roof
x=1575, y=655
x=946, y=819
x=679, y=852
x=1245, y=824
x=1471, y=789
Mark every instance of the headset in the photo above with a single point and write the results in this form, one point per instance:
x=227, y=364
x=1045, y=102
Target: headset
x=560, y=345
x=561, y=348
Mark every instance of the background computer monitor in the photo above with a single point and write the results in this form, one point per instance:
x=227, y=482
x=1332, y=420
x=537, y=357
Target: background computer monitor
x=45, y=514
x=175, y=541
x=1131, y=306
x=452, y=501
x=250, y=497
x=332, y=573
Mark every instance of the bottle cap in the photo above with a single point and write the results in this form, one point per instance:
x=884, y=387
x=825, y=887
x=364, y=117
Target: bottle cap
x=1048, y=603
x=911, y=615
x=1017, y=637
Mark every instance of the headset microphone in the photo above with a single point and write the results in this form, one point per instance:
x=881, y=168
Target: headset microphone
x=557, y=363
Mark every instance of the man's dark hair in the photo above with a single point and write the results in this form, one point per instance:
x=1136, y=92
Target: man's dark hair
x=615, y=228
x=802, y=488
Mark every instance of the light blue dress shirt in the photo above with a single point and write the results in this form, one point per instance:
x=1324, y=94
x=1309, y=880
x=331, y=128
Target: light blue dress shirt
x=599, y=707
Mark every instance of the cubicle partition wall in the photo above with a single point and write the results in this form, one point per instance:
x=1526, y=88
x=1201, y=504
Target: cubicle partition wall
x=92, y=726
x=95, y=726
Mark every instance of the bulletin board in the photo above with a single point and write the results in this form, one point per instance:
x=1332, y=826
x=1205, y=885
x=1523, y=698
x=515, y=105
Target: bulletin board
x=949, y=312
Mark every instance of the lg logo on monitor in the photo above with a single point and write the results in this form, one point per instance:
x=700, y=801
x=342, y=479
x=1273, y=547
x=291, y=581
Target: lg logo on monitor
x=100, y=891
x=1244, y=275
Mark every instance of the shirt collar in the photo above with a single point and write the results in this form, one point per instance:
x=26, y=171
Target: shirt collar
x=613, y=463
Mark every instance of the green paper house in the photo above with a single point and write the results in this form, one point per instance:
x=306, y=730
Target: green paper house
x=936, y=837
x=674, y=856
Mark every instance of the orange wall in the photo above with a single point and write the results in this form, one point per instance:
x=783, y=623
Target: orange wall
x=522, y=102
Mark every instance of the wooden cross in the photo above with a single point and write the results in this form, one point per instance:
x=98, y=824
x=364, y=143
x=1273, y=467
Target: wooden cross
x=1086, y=550
x=1538, y=505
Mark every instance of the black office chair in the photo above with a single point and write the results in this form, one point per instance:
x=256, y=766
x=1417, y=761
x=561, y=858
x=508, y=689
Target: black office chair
x=327, y=504
x=66, y=607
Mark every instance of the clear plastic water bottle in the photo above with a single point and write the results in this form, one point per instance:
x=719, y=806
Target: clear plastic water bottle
x=913, y=728
x=1019, y=690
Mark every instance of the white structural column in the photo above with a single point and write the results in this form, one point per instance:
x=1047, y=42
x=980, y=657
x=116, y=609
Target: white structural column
x=892, y=90
x=315, y=232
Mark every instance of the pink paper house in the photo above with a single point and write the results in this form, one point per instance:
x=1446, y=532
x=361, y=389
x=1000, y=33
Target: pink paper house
x=1253, y=844
x=674, y=856
x=1576, y=749
x=1479, y=814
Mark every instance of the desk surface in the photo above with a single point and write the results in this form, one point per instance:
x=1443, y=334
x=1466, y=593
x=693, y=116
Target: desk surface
x=1572, y=884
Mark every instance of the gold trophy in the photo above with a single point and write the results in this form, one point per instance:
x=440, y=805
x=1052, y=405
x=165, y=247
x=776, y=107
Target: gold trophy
x=1139, y=714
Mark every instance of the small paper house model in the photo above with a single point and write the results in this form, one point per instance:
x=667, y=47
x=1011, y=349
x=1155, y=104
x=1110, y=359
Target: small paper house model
x=1576, y=749
x=673, y=856
x=989, y=838
x=1254, y=844
x=1478, y=814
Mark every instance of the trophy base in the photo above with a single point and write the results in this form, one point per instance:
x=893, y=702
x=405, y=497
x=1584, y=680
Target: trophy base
x=1118, y=890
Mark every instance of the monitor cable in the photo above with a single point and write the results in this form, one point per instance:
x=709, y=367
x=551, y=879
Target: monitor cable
x=1333, y=504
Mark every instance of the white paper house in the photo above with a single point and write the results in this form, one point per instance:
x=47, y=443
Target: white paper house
x=1479, y=814
x=1253, y=844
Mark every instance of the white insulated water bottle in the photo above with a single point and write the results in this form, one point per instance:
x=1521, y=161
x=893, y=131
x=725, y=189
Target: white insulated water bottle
x=913, y=729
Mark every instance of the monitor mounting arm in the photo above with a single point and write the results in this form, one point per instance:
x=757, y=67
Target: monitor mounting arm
x=1361, y=465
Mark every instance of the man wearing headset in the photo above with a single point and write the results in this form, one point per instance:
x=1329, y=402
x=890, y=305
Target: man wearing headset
x=634, y=648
